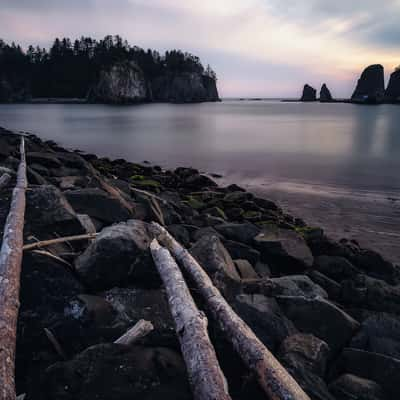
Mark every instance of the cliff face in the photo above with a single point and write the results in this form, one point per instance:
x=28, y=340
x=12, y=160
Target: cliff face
x=371, y=86
x=184, y=88
x=325, y=95
x=309, y=94
x=124, y=82
x=392, y=93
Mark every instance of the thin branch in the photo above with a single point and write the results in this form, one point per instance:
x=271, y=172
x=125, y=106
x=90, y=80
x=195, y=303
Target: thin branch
x=66, y=239
x=138, y=331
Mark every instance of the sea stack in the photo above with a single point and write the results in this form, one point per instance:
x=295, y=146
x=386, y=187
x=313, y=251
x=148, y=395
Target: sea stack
x=309, y=94
x=325, y=95
x=392, y=93
x=371, y=86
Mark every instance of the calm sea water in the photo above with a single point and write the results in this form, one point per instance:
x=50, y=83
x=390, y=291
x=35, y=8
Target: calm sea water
x=335, y=164
x=335, y=144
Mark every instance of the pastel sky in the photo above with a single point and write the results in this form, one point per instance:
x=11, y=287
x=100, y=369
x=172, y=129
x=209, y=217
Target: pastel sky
x=257, y=47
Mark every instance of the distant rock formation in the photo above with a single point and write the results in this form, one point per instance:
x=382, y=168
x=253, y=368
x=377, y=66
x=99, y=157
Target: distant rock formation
x=325, y=94
x=123, y=82
x=392, y=93
x=309, y=94
x=185, y=87
x=371, y=86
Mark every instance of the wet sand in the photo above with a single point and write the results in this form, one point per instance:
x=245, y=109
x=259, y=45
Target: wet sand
x=371, y=218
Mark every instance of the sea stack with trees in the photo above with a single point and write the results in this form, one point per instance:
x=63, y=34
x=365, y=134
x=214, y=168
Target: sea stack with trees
x=104, y=71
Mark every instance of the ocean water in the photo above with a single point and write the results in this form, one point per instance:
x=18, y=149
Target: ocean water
x=302, y=154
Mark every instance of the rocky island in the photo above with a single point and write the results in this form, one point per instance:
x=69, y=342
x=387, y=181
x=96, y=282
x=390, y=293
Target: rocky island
x=105, y=71
x=328, y=311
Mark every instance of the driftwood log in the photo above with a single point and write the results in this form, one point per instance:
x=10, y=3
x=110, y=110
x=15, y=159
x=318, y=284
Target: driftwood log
x=10, y=271
x=46, y=243
x=4, y=179
x=276, y=382
x=139, y=330
x=205, y=375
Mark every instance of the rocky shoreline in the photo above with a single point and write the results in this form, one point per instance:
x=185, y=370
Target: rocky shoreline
x=329, y=310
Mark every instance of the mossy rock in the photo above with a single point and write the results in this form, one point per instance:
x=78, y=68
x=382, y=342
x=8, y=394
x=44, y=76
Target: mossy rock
x=252, y=216
x=150, y=184
x=195, y=203
x=215, y=212
x=138, y=178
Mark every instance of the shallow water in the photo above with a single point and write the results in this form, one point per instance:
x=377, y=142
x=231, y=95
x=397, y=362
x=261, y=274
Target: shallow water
x=325, y=152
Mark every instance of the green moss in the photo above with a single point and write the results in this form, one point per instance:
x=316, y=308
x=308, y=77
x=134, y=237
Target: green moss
x=307, y=230
x=195, y=202
x=138, y=178
x=145, y=183
x=252, y=215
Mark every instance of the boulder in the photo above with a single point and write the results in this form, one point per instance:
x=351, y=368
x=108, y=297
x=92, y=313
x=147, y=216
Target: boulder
x=381, y=369
x=245, y=269
x=332, y=288
x=350, y=387
x=320, y=318
x=296, y=285
x=379, y=333
x=283, y=249
x=119, y=255
x=243, y=233
x=370, y=87
x=241, y=251
x=325, y=94
x=133, y=304
x=336, y=268
x=122, y=82
x=98, y=204
x=48, y=212
x=264, y=317
x=309, y=94
x=44, y=160
x=305, y=357
x=117, y=372
x=392, y=93
x=216, y=261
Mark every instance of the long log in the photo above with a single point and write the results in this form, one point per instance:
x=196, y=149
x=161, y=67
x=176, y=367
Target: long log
x=273, y=378
x=205, y=375
x=4, y=179
x=10, y=271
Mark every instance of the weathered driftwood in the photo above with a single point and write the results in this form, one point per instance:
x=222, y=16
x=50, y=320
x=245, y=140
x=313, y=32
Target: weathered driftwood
x=46, y=243
x=139, y=330
x=205, y=375
x=10, y=271
x=276, y=382
x=4, y=180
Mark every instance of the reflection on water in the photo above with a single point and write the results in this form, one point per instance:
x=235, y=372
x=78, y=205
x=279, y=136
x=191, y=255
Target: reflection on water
x=335, y=144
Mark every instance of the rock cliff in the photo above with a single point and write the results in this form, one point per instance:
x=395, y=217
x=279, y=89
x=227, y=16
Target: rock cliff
x=123, y=82
x=184, y=88
x=392, y=93
x=309, y=94
x=371, y=86
x=325, y=95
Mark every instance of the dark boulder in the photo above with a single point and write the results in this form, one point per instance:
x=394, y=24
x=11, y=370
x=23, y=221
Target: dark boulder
x=370, y=87
x=117, y=372
x=264, y=317
x=98, y=204
x=392, y=93
x=283, y=249
x=375, y=367
x=325, y=95
x=243, y=233
x=351, y=387
x=48, y=211
x=320, y=318
x=305, y=357
x=309, y=94
x=119, y=255
x=245, y=269
x=336, y=268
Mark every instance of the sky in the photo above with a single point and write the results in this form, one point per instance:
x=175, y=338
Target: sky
x=259, y=48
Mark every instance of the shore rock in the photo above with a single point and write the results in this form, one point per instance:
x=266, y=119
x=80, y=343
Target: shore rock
x=309, y=94
x=243, y=233
x=325, y=95
x=320, y=318
x=305, y=358
x=119, y=255
x=350, y=387
x=392, y=93
x=370, y=87
x=117, y=372
x=123, y=82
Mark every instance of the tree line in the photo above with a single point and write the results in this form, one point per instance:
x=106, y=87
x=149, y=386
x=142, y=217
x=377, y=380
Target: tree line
x=69, y=68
